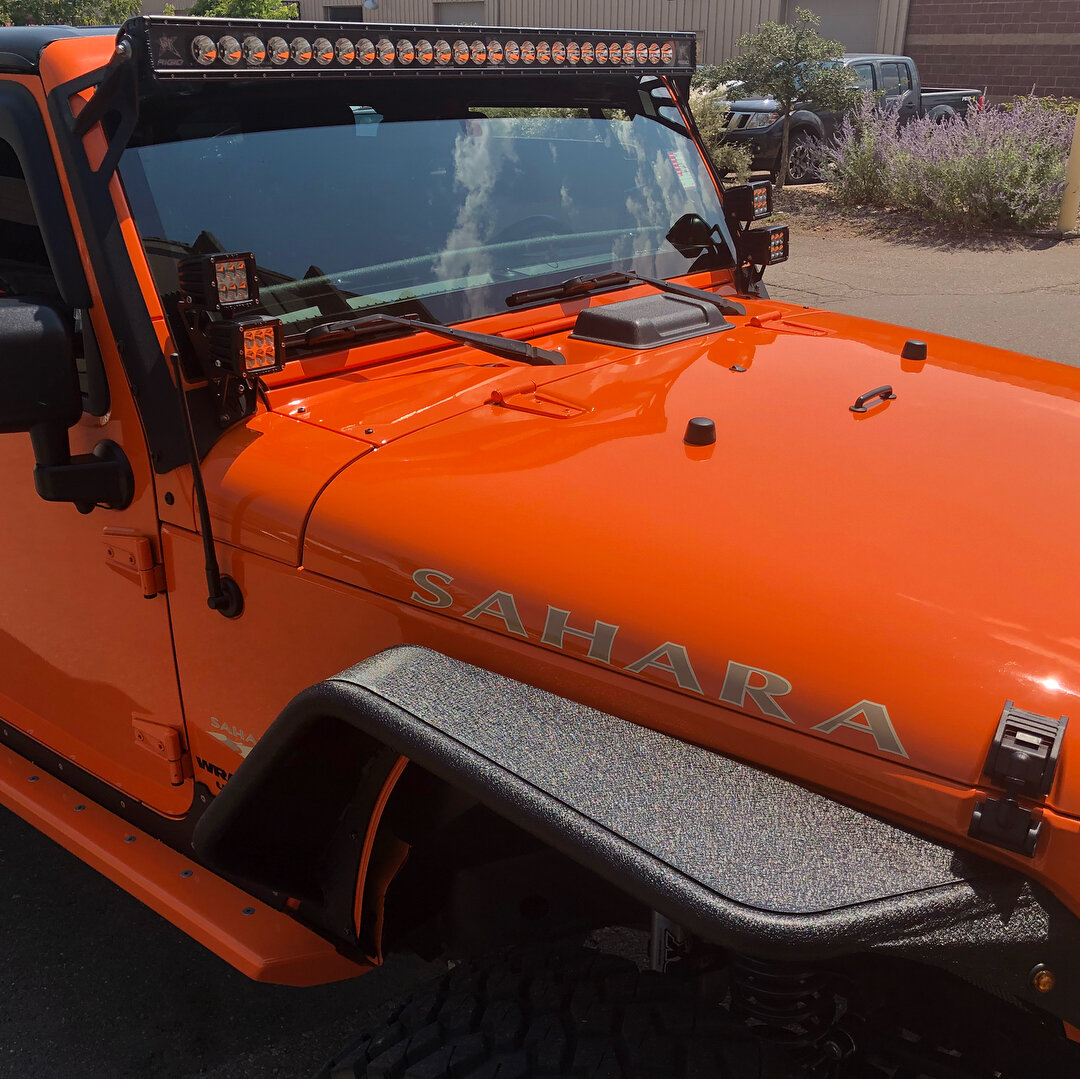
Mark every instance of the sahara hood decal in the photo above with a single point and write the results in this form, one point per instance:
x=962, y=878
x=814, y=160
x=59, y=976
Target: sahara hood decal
x=741, y=681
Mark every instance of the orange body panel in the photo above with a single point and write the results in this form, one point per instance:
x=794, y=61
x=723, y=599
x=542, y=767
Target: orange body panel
x=846, y=599
x=333, y=625
x=862, y=557
x=81, y=649
x=262, y=942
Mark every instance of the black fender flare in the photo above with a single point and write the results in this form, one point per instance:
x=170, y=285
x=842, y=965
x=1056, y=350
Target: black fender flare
x=803, y=120
x=738, y=856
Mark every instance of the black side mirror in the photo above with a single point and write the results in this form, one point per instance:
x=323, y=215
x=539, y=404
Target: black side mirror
x=691, y=235
x=39, y=384
x=39, y=393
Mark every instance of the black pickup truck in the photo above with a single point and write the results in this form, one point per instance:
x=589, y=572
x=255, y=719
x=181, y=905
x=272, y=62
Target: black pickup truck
x=756, y=121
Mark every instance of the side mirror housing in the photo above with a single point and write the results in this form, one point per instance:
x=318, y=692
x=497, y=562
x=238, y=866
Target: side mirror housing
x=39, y=393
x=39, y=384
x=691, y=235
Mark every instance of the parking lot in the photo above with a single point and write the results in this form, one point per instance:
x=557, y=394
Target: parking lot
x=98, y=986
x=1020, y=293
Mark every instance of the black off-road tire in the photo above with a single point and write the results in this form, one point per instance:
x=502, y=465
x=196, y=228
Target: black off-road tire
x=567, y=1015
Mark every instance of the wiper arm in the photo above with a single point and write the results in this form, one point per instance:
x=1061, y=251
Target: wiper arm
x=573, y=286
x=728, y=307
x=586, y=286
x=366, y=325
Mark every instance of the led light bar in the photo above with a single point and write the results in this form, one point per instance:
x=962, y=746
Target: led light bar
x=190, y=48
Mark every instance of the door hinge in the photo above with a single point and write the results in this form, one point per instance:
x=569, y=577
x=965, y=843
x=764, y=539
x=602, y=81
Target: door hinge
x=133, y=555
x=1023, y=760
x=165, y=742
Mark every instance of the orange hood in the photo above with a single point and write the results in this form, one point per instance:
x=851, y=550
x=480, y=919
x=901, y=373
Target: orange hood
x=892, y=577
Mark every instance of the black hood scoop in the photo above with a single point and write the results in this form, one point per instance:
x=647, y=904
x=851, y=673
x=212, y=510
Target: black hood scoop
x=649, y=321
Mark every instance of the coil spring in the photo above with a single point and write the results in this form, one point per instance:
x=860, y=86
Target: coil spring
x=786, y=1003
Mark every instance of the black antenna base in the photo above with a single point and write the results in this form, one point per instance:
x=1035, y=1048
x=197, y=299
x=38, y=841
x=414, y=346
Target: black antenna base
x=229, y=600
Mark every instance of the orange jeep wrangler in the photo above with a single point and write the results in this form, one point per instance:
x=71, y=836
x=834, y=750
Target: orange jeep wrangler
x=431, y=536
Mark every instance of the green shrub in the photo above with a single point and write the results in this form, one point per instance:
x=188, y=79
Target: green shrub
x=732, y=161
x=1068, y=105
x=706, y=78
x=711, y=110
x=988, y=170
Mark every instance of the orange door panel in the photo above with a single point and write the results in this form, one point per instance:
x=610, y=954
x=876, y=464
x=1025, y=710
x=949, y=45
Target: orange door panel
x=83, y=655
x=82, y=651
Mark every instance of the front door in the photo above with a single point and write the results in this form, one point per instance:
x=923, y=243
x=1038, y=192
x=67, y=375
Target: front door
x=82, y=652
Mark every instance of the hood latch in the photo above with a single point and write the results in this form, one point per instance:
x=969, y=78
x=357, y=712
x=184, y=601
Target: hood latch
x=1023, y=760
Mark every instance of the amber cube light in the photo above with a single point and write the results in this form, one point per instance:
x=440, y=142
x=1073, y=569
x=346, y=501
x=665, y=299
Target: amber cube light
x=749, y=202
x=247, y=347
x=220, y=282
x=766, y=246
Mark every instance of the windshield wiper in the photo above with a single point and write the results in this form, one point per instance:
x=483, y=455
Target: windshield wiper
x=585, y=286
x=368, y=325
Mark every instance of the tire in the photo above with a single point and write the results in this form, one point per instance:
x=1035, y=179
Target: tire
x=569, y=1015
x=802, y=164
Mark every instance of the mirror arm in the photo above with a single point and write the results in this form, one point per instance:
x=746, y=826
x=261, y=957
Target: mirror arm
x=51, y=446
x=101, y=478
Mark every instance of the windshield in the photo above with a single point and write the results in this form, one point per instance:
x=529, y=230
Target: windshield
x=364, y=193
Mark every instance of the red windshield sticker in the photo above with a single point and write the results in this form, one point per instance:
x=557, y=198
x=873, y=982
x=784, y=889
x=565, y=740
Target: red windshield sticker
x=682, y=169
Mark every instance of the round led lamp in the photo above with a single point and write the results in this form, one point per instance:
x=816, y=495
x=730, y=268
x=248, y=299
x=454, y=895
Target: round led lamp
x=300, y=50
x=278, y=50
x=204, y=50
x=229, y=50
x=254, y=50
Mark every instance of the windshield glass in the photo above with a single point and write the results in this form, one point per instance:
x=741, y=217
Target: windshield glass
x=363, y=193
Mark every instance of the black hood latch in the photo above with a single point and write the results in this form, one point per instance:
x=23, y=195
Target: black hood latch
x=1023, y=760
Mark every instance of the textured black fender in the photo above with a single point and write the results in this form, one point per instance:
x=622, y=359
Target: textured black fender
x=737, y=855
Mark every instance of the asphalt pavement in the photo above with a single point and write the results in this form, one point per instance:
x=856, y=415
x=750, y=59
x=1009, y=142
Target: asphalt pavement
x=97, y=986
x=1016, y=293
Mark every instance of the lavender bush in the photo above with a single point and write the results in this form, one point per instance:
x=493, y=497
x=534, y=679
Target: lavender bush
x=994, y=169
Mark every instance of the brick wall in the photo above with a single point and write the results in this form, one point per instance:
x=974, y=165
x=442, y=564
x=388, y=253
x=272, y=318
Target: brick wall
x=1008, y=46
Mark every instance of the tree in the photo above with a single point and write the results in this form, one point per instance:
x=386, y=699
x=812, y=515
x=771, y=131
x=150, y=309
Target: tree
x=792, y=63
x=67, y=12
x=245, y=9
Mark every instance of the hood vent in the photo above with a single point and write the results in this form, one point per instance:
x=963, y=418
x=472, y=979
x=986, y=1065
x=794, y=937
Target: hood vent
x=649, y=322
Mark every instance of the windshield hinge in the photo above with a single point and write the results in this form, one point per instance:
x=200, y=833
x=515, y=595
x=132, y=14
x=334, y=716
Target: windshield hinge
x=1023, y=760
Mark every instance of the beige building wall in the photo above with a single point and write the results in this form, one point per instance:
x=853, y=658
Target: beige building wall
x=892, y=26
x=718, y=23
